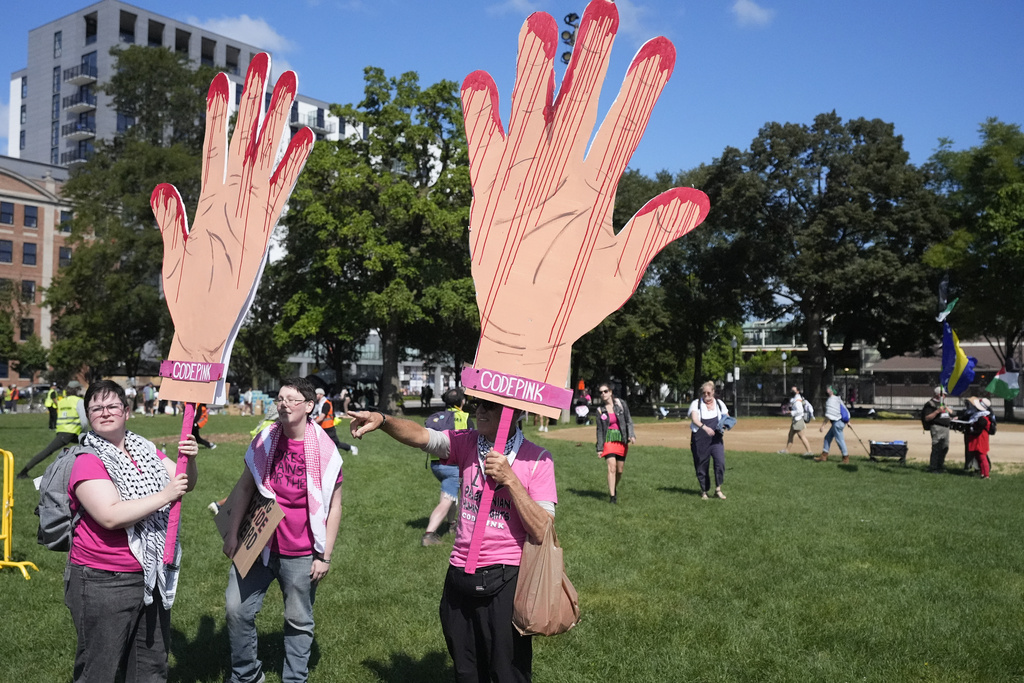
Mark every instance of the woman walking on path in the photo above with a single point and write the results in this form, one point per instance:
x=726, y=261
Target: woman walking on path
x=614, y=434
x=706, y=442
x=833, y=417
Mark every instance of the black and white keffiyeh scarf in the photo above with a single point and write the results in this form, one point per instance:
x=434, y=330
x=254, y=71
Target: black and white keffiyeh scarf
x=512, y=445
x=133, y=480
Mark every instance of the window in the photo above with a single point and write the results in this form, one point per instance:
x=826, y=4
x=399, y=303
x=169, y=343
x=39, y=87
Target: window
x=28, y=253
x=56, y=44
x=181, y=39
x=28, y=291
x=90, y=28
x=156, y=34
x=55, y=134
x=7, y=213
x=238, y=94
x=6, y=251
x=127, y=32
x=124, y=122
x=31, y=216
x=21, y=140
x=89, y=64
x=3, y=369
x=231, y=55
x=5, y=285
x=56, y=79
x=54, y=156
x=24, y=87
x=207, y=49
x=64, y=258
x=65, y=222
x=295, y=112
x=24, y=114
x=28, y=328
x=55, y=109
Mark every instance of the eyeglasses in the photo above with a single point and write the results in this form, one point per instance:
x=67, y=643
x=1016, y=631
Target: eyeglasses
x=707, y=393
x=289, y=401
x=113, y=409
x=606, y=391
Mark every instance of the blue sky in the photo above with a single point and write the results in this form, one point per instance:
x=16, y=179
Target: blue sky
x=933, y=68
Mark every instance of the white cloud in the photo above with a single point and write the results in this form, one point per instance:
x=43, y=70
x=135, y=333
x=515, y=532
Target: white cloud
x=633, y=21
x=255, y=32
x=749, y=13
x=523, y=7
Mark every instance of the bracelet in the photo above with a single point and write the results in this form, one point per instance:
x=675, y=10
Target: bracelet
x=384, y=418
x=324, y=560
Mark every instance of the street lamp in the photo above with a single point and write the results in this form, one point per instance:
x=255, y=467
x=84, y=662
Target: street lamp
x=569, y=37
x=735, y=377
x=784, y=357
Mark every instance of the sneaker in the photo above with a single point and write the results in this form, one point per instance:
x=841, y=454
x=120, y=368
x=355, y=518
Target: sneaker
x=354, y=451
x=430, y=538
x=613, y=499
x=21, y=475
x=213, y=507
x=212, y=446
x=782, y=452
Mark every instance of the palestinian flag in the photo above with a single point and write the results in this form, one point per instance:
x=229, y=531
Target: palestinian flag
x=1004, y=385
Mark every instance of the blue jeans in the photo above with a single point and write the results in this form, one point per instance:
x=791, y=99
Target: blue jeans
x=836, y=432
x=244, y=599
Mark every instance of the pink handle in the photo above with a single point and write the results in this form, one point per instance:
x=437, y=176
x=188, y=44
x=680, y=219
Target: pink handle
x=187, y=418
x=484, y=509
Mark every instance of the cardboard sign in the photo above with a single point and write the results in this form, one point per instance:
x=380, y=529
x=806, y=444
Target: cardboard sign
x=261, y=519
x=211, y=271
x=547, y=264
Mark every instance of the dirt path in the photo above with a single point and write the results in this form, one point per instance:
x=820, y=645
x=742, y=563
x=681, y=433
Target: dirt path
x=767, y=435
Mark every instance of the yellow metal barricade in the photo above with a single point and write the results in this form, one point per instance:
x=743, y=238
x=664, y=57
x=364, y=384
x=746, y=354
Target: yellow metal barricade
x=7, y=527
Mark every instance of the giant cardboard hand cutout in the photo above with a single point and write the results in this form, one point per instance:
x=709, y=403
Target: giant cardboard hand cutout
x=211, y=272
x=547, y=263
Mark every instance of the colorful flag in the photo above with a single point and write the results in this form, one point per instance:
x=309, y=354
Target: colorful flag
x=1004, y=385
x=957, y=366
x=949, y=309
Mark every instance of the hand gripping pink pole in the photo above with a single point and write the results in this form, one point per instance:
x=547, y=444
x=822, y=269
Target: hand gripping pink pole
x=484, y=509
x=188, y=417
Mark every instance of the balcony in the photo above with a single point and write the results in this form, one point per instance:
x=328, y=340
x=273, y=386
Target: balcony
x=78, y=130
x=75, y=156
x=76, y=104
x=83, y=74
x=319, y=124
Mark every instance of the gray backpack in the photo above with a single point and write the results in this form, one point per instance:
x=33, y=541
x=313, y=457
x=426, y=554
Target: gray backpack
x=56, y=522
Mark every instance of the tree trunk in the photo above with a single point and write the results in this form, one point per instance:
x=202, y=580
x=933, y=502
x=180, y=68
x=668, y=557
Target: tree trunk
x=813, y=385
x=390, y=389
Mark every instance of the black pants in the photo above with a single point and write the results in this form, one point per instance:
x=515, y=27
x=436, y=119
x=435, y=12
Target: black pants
x=333, y=433
x=61, y=440
x=476, y=617
x=53, y=418
x=199, y=440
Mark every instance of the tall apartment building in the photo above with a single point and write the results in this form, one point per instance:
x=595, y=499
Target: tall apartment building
x=57, y=113
x=32, y=243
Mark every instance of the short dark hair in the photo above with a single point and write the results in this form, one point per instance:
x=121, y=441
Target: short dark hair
x=453, y=398
x=105, y=386
x=301, y=385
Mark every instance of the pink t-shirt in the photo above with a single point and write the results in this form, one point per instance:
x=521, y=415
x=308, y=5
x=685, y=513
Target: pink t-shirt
x=503, y=540
x=294, y=536
x=93, y=545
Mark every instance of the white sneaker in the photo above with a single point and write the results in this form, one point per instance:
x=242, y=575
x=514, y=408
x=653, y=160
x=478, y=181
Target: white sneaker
x=355, y=450
x=213, y=507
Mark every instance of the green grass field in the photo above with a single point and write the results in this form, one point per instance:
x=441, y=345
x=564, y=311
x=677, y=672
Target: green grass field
x=869, y=572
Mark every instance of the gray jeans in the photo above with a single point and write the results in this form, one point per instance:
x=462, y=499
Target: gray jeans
x=940, y=447
x=244, y=599
x=114, y=627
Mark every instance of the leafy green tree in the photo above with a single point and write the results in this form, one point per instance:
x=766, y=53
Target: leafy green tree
x=31, y=356
x=377, y=228
x=258, y=353
x=984, y=190
x=107, y=303
x=839, y=219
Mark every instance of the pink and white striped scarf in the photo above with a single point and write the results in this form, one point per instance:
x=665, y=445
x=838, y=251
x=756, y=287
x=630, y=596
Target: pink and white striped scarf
x=319, y=469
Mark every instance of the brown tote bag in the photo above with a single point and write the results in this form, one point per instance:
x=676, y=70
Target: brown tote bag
x=546, y=603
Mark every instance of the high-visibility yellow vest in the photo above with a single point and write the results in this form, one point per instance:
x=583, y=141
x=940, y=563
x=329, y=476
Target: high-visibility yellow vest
x=67, y=415
x=51, y=399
